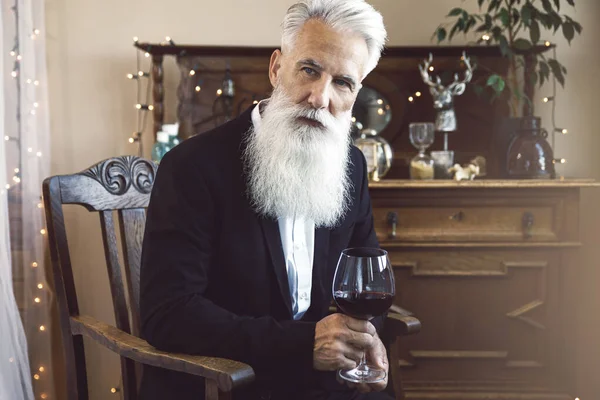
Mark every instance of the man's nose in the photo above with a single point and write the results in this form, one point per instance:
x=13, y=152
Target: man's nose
x=319, y=94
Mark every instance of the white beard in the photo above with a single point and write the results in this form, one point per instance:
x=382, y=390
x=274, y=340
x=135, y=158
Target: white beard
x=296, y=169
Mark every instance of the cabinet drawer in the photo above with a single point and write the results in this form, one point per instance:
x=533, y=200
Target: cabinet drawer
x=469, y=222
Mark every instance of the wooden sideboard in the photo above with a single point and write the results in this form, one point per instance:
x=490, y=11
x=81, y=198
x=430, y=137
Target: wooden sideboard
x=485, y=266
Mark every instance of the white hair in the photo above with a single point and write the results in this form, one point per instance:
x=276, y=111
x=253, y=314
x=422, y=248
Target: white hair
x=355, y=16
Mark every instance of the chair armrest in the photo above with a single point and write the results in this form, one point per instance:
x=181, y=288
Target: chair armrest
x=227, y=374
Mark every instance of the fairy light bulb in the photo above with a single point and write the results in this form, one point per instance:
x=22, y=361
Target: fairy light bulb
x=44, y=396
x=36, y=83
x=39, y=154
x=150, y=107
x=255, y=102
x=113, y=390
x=130, y=76
x=40, y=286
x=431, y=68
x=40, y=205
x=192, y=72
x=36, y=105
x=136, y=39
x=219, y=92
x=42, y=369
x=42, y=328
x=379, y=101
x=485, y=37
x=36, y=377
x=36, y=31
x=146, y=54
x=7, y=186
x=13, y=53
x=131, y=140
x=14, y=74
x=37, y=300
x=198, y=88
x=43, y=231
x=7, y=138
x=564, y=131
x=418, y=94
x=548, y=44
x=381, y=111
x=411, y=99
x=19, y=57
x=34, y=264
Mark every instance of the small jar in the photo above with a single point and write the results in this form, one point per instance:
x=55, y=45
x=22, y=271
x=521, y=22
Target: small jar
x=421, y=167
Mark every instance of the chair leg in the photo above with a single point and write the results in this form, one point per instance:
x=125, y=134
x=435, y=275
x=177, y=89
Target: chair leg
x=213, y=392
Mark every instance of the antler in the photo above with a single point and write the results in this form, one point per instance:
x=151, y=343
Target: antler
x=468, y=73
x=425, y=74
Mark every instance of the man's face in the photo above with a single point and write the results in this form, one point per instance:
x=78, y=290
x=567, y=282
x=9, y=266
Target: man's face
x=322, y=71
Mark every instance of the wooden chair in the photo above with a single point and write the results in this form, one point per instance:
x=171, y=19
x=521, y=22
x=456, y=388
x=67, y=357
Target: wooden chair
x=123, y=184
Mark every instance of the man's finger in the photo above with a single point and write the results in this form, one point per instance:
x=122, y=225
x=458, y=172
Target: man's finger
x=359, y=325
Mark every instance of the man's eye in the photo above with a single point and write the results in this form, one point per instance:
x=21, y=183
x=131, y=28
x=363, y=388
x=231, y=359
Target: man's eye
x=341, y=82
x=309, y=71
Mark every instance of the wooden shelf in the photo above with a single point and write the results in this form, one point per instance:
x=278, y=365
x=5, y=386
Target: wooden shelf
x=483, y=184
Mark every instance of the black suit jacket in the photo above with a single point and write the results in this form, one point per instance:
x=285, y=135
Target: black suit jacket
x=213, y=276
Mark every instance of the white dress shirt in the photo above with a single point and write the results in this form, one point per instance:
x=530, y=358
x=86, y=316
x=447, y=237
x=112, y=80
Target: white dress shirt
x=298, y=242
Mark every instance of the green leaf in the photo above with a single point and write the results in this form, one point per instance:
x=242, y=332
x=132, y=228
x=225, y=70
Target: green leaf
x=441, y=34
x=556, y=20
x=571, y=2
x=557, y=71
x=533, y=78
x=569, y=31
x=455, y=12
x=504, y=47
x=482, y=28
x=547, y=6
x=504, y=16
x=544, y=72
x=494, y=4
x=545, y=19
x=522, y=44
x=534, y=32
x=557, y=4
x=480, y=2
x=492, y=80
x=526, y=14
x=455, y=28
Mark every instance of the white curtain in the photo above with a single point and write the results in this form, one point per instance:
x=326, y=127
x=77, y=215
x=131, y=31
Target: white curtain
x=25, y=299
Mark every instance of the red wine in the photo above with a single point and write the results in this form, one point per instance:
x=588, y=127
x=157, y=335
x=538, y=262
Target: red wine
x=364, y=305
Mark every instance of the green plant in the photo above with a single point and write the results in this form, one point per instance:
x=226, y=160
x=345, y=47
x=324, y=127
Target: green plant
x=516, y=27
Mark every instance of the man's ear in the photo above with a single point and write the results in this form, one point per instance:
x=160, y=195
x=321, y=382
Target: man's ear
x=274, y=67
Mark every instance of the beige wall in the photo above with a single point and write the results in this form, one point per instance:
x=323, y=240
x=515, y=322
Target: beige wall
x=90, y=52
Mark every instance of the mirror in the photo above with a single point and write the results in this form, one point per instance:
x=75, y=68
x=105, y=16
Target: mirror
x=371, y=111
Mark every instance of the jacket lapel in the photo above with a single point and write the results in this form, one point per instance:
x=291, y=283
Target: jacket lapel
x=270, y=229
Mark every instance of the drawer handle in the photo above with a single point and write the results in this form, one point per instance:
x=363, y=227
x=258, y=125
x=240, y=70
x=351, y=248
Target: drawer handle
x=459, y=216
x=392, y=220
x=527, y=222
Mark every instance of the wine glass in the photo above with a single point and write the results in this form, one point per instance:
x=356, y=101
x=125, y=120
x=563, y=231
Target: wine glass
x=363, y=288
x=421, y=136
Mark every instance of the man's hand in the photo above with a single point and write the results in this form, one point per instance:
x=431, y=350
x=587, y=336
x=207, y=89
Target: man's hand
x=340, y=341
x=377, y=357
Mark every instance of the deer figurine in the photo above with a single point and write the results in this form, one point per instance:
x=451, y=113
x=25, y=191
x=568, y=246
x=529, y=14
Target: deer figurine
x=443, y=97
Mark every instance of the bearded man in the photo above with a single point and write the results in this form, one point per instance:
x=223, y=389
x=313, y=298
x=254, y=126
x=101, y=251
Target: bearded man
x=246, y=224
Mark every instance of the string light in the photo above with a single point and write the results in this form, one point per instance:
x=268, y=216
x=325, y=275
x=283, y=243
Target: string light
x=19, y=57
x=148, y=107
x=44, y=396
x=147, y=55
x=559, y=161
x=36, y=105
x=256, y=102
x=219, y=92
x=37, y=300
x=14, y=74
x=39, y=154
x=34, y=264
x=418, y=94
x=381, y=111
x=114, y=390
x=11, y=360
x=42, y=328
x=7, y=186
x=547, y=99
x=28, y=81
x=136, y=39
x=40, y=205
x=43, y=231
x=36, y=31
x=40, y=286
x=548, y=44
x=411, y=99
x=198, y=88
x=7, y=138
x=132, y=76
x=379, y=101
x=143, y=74
x=36, y=377
x=192, y=72
x=13, y=53
x=41, y=368
x=36, y=83
x=485, y=37
x=431, y=68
